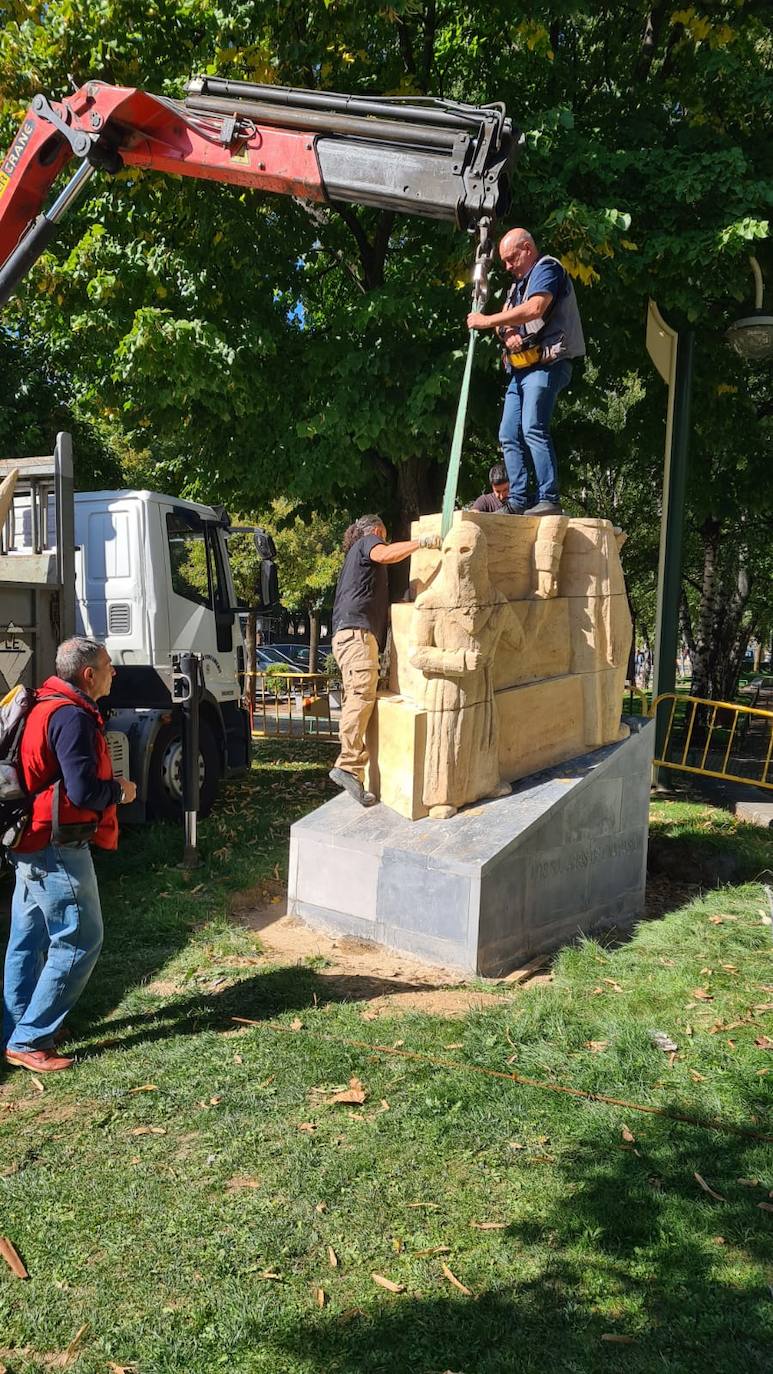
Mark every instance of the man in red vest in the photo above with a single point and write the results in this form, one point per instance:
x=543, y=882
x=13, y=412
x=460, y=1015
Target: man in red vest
x=56, y=919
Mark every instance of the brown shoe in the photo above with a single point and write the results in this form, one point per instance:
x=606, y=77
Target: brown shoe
x=39, y=1061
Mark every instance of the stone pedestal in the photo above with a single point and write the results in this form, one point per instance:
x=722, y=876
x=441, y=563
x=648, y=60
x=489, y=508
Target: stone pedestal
x=499, y=883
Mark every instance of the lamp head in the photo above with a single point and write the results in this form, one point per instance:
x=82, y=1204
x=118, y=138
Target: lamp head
x=752, y=336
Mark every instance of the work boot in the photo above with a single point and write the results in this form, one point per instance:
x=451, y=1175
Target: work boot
x=545, y=508
x=38, y=1061
x=352, y=785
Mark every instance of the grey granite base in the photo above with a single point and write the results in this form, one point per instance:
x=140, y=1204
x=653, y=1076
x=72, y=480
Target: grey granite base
x=498, y=884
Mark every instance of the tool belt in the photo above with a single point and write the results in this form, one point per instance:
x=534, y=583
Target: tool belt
x=526, y=357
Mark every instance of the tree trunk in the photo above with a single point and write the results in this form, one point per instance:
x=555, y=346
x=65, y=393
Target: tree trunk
x=314, y=622
x=709, y=611
x=722, y=633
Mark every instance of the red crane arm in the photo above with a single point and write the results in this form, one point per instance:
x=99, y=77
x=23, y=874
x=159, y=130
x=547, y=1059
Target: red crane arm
x=145, y=132
x=440, y=159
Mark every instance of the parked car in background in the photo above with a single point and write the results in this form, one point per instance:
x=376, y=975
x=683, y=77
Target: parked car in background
x=299, y=653
x=268, y=656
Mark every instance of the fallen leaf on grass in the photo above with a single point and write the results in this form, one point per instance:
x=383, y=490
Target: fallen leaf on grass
x=764, y=1042
x=296, y=1024
x=707, y=1189
x=320, y=1297
x=457, y=1045
x=596, y=1046
x=240, y=1181
x=516, y=1145
x=765, y=1206
x=610, y=982
x=702, y=995
x=332, y=1257
x=269, y=1274
x=37, y=1083
x=354, y=1095
x=388, y=1284
x=148, y=1130
x=455, y=1281
x=121, y=1368
x=432, y=1250
x=489, y=1225
x=748, y=1182
x=215, y=1101
x=308, y=1126
x=12, y=1258
x=145, y=1088
x=618, y=1340
x=320, y=1207
x=697, y=1077
x=431, y=1206
x=628, y=1136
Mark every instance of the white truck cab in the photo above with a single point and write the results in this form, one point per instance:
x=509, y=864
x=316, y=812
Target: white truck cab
x=151, y=579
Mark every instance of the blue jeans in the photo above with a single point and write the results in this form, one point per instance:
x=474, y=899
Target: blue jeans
x=54, y=942
x=525, y=429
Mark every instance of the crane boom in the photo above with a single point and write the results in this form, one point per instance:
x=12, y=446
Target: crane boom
x=440, y=159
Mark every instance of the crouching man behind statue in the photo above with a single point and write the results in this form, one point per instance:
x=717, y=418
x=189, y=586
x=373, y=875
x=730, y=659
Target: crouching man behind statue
x=459, y=622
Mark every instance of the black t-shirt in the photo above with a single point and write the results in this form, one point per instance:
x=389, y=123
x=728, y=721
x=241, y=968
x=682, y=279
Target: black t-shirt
x=489, y=502
x=362, y=595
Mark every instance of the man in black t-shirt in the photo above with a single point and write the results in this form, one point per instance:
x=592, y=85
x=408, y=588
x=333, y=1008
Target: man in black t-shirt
x=494, y=502
x=360, y=622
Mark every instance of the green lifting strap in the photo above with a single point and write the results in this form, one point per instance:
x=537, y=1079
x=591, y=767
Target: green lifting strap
x=452, y=480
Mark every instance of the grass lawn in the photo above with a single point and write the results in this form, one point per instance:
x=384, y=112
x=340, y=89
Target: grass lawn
x=190, y=1199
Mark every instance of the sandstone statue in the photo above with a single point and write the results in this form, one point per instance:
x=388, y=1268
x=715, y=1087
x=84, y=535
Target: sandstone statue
x=457, y=626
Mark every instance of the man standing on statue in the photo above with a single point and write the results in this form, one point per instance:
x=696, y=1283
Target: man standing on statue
x=541, y=333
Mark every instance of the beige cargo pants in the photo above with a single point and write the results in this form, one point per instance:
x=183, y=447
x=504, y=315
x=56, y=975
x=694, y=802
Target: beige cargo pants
x=356, y=653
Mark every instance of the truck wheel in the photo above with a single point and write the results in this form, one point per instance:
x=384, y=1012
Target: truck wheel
x=165, y=773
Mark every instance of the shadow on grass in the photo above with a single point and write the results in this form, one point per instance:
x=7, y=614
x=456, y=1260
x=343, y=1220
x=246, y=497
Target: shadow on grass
x=259, y=999
x=624, y=1250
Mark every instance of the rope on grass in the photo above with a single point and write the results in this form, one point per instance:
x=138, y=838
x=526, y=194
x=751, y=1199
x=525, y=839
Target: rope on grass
x=705, y=1123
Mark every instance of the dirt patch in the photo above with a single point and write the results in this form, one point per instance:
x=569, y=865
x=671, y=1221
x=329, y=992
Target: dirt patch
x=358, y=970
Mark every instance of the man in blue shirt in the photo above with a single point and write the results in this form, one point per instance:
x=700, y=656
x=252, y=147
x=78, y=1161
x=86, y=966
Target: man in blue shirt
x=541, y=331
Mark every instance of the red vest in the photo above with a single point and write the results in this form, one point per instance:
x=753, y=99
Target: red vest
x=39, y=766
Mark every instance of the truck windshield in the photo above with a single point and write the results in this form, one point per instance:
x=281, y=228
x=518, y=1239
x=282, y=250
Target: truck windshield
x=189, y=557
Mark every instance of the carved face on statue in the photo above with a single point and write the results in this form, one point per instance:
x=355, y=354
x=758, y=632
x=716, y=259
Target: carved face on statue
x=464, y=579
